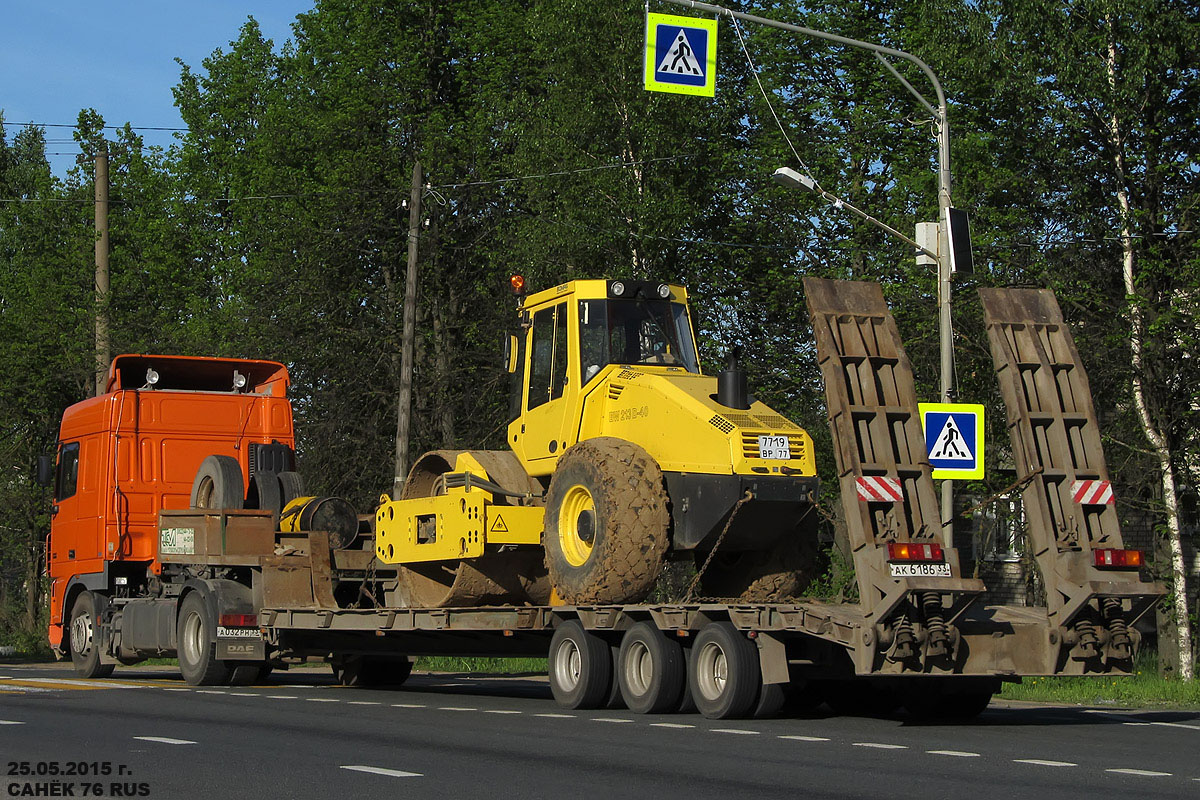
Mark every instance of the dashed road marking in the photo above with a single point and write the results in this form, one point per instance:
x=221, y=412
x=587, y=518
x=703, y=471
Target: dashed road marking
x=322, y=700
x=1177, y=725
x=364, y=703
x=391, y=773
x=501, y=711
x=610, y=719
x=881, y=745
x=456, y=708
x=210, y=691
x=670, y=725
x=738, y=731
x=244, y=694
x=163, y=740
x=10, y=722
x=556, y=716
x=281, y=697
x=798, y=738
x=955, y=753
x=407, y=705
x=175, y=689
x=1038, y=762
x=1144, y=773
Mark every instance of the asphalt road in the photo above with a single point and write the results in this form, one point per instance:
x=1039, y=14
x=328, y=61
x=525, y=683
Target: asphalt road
x=145, y=733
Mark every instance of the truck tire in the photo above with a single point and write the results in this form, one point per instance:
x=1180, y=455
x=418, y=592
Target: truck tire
x=197, y=644
x=218, y=484
x=651, y=670
x=580, y=667
x=367, y=671
x=84, y=637
x=947, y=699
x=724, y=674
x=606, y=523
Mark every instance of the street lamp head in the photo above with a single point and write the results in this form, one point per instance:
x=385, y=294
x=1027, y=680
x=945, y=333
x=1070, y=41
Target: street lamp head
x=786, y=176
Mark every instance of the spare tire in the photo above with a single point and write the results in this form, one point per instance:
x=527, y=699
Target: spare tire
x=218, y=484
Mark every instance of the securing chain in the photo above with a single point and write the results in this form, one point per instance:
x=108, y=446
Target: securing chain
x=369, y=578
x=691, y=589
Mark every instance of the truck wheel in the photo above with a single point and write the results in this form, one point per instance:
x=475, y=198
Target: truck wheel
x=651, y=670
x=197, y=644
x=218, y=484
x=580, y=667
x=367, y=671
x=724, y=673
x=606, y=523
x=84, y=633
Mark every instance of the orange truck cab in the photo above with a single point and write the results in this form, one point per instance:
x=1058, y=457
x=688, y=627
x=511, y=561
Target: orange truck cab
x=126, y=455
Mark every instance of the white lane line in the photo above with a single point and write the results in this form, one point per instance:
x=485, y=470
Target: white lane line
x=610, y=719
x=1144, y=773
x=210, y=691
x=738, y=731
x=1038, y=762
x=391, y=773
x=322, y=700
x=175, y=689
x=955, y=753
x=281, y=697
x=456, y=708
x=798, y=738
x=364, y=703
x=163, y=740
x=556, y=716
x=500, y=711
x=244, y=694
x=881, y=745
x=1138, y=724
x=670, y=725
x=1177, y=725
x=407, y=705
x=10, y=722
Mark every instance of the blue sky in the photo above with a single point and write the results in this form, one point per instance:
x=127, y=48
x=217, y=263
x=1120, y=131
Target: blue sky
x=117, y=57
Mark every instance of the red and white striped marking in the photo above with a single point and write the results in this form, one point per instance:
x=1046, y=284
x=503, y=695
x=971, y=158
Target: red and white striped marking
x=1092, y=493
x=878, y=489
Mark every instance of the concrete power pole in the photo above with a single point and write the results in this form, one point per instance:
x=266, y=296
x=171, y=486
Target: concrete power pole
x=102, y=351
x=404, y=405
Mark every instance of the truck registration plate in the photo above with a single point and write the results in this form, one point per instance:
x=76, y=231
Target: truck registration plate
x=774, y=447
x=922, y=569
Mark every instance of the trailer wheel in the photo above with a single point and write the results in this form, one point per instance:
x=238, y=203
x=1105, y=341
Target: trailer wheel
x=606, y=523
x=84, y=636
x=367, y=671
x=724, y=674
x=651, y=670
x=218, y=484
x=580, y=667
x=197, y=644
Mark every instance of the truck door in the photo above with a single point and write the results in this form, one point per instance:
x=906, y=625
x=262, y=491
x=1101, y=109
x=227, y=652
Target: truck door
x=76, y=546
x=548, y=389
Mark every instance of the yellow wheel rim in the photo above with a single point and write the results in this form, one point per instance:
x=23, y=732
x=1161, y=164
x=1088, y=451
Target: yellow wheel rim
x=577, y=525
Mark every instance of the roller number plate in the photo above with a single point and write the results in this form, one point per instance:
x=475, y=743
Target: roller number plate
x=774, y=447
x=921, y=570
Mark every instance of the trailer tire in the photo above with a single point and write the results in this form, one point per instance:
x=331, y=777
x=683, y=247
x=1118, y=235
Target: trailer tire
x=947, y=700
x=244, y=674
x=651, y=670
x=366, y=671
x=724, y=673
x=218, y=484
x=580, y=667
x=83, y=637
x=197, y=647
x=607, y=524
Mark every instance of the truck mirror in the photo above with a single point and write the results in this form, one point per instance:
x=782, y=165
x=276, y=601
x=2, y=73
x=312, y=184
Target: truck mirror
x=511, y=351
x=45, y=469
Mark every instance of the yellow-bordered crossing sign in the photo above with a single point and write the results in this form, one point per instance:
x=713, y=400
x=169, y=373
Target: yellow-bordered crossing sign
x=681, y=55
x=954, y=439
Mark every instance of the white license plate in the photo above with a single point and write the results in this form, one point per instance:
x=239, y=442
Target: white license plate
x=921, y=569
x=238, y=633
x=774, y=447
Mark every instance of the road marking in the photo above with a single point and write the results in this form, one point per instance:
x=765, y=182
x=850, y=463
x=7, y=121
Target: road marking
x=175, y=689
x=881, y=745
x=798, y=738
x=669, y=725
x=1177, y=725
x=210, y=691
x=10, y=722
x=738, y=731
x=1139, y=724
x=407, y=705
x=82, y=684
x=956, y=753
x=244, y=694
x=1145, y=773
x=1037, y=762
x=391, y=773
x=322, y=700
x=364, y=703
x=456, y=708
x=501, y=711
x=610, y=719
x=556, y=716
x=163, y=740
x=281, y=697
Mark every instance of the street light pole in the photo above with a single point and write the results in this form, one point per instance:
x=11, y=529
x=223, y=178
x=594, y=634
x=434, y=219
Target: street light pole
x=945, y=331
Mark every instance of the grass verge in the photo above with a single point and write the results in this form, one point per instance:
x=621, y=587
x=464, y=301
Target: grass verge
x=481, y=666
x=1145, y=688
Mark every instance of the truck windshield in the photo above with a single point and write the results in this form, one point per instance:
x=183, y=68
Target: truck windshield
x=634, y=331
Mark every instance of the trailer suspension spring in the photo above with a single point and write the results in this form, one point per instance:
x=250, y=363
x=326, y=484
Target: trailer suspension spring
x=938, y=641
x=904, y=639
x=1118, y=628
x=1089, y=639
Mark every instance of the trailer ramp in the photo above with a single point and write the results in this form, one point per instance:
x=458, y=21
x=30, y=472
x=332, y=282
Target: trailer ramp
x=1069, y=511
x=886, y=486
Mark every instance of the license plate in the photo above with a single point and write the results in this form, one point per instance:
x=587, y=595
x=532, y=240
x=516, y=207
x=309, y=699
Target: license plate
x=774, y=447
x=921, y=570
x=238, y=633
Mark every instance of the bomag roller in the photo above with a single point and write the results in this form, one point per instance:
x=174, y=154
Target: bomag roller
x=623, y=455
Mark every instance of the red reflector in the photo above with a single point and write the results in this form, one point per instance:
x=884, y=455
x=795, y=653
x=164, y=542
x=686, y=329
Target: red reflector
x=238, y=621
x=1109, y=558
x=914, y=551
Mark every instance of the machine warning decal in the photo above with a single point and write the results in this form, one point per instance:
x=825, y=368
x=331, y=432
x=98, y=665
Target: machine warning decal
x=177, y=541
x=498, y=526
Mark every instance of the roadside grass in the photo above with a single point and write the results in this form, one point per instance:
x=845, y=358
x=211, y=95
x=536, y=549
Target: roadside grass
x=1145, y=688
x=481, y=666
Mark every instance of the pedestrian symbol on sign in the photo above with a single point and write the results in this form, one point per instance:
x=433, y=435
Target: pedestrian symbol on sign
x=949, y=444
x=681, y=58
x=954, y=439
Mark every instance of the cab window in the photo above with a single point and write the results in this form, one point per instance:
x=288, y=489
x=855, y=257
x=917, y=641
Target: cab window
x=68, y=471
x=548, y=368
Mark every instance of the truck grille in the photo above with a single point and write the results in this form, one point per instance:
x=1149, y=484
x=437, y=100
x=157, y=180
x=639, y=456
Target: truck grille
x=750, y=444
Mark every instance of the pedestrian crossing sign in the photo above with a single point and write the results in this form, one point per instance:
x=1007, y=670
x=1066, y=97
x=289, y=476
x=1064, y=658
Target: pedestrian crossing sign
x=954, y=439
x=681, y=55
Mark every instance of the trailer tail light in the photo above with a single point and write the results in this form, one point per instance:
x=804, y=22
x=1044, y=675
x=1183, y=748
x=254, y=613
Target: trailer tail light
x=913, y=551
x=239, y=621
x=1110, y=558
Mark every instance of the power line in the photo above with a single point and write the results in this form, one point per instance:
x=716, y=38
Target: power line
x=101, y=127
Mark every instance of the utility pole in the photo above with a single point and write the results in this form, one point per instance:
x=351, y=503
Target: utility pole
x=102, y=352
x=404, y=405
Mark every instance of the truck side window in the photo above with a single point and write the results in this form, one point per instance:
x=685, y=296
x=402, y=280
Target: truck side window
x=558, y=376
x=548, y=369
x=68, y=471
